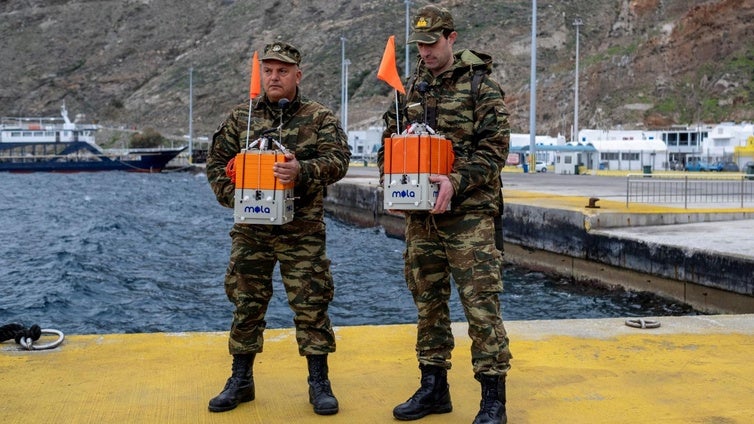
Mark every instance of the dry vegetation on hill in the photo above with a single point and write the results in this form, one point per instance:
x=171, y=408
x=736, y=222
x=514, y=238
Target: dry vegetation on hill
x=643, y=63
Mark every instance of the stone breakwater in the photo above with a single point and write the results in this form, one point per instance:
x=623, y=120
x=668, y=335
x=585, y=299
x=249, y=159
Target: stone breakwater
x=583, y=244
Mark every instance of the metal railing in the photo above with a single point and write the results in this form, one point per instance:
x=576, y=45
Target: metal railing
x=691, y=191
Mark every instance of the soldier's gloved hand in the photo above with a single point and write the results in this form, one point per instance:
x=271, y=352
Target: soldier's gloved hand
x=230, y=170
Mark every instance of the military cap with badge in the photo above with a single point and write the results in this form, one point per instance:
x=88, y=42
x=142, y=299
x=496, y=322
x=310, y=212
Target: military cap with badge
x=282, y=52
x=429, y=24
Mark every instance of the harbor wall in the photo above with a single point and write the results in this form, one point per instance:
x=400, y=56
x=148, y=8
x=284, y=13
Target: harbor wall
x=579, y=246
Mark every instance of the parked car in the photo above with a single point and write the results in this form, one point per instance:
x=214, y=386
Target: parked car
x=724, y=167
x=697, y=166
x=541, y=166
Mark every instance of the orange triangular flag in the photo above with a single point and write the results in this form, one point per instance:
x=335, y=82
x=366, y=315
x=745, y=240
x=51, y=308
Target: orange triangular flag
x=388, y=70
x=255, y=85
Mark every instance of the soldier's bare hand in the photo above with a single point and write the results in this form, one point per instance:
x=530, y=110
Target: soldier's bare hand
x=287, y=171
x=445, y=192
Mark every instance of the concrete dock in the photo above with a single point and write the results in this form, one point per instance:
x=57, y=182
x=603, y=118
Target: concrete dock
x=690, y=370
x=702, y=256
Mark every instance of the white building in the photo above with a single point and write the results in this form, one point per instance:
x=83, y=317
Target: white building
x=632, y=155
x=684, y=144
x=722, y=141
x=627, y=150
x=588, y=135
x=519, y=141
x=365, y=143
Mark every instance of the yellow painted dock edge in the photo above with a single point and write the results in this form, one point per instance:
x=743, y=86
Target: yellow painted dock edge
x=690, y=370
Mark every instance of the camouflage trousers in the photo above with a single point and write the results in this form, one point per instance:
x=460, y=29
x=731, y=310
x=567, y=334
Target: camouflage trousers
x=305, y=271
x=439, y=247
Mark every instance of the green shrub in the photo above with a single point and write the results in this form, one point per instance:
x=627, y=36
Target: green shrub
x=147, y=139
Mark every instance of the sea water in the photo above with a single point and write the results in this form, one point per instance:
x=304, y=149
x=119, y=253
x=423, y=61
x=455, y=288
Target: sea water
x=117, y=252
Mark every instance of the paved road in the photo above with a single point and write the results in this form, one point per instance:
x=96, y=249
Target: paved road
x=568, y=185
x=571, y=185
x=704, y=193
x=724, y=236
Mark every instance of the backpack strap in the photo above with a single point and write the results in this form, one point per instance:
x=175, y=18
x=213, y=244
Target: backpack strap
x=476, y=81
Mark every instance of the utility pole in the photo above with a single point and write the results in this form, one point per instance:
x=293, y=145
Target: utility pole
x=343, y=94
x=408, y=62
x=533, y=91
x=191, y=116
x=576, y=23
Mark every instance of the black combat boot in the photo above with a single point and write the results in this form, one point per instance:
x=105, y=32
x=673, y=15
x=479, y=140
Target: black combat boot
x=433, y=397
x=492, y=406
x=240, y=385
x=320, y=393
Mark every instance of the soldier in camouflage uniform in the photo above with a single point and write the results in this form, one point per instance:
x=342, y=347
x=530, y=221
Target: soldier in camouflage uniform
x=458, y=243
x=318, y=155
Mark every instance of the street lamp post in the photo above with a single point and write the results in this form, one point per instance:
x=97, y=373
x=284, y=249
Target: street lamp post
x=408, y=63
x=576, y=23
x=191, y=115
x=343, y=93
x=533, y=90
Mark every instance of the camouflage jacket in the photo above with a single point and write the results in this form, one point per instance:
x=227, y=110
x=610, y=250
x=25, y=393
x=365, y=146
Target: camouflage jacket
x=476, y=125
x=310, y=130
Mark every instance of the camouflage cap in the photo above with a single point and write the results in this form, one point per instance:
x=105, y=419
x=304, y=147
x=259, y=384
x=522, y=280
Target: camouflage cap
x=429, y=23
x=283, y=52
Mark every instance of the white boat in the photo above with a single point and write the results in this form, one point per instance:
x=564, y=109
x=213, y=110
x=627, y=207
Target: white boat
x=55, y=144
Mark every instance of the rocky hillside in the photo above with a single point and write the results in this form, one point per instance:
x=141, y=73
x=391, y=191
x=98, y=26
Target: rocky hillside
x=643, y=63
